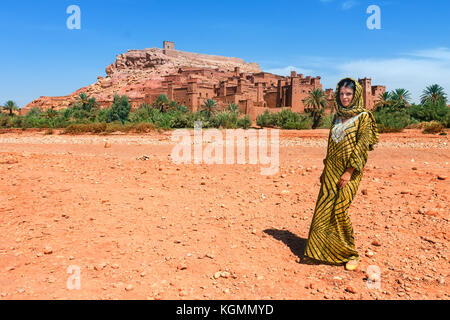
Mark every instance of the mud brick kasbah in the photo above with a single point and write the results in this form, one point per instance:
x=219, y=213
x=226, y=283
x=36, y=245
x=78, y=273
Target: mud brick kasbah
x=191, y=78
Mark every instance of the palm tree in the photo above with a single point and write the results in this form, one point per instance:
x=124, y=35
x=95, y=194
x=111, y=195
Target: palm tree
x=161, y=103
x=233, y=107
x=209, y=107
x=172, y=106
x=10, y=106
x=384, y=100
x=315, y=103
x=83, y=98
x=51, y=113
x=400, y=97
x=433, y=94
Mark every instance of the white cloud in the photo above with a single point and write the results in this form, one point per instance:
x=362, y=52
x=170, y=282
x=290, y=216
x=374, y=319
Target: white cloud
x=413, y=71
x=286, y=71
x=348, y=4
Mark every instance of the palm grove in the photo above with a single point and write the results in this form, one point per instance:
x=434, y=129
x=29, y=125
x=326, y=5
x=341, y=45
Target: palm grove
x=393, y=112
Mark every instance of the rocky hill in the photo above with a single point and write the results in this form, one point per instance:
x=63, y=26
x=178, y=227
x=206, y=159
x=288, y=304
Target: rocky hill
x=137, y=69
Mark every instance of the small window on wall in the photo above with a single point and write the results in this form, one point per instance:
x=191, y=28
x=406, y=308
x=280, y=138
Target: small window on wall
x=207, y=94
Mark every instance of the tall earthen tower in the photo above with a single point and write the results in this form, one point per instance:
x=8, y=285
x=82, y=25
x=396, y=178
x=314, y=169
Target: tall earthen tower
x=366, y=84
x=168, y=45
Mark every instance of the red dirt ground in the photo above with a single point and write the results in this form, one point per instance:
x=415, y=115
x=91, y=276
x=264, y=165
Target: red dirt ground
x=152, y=229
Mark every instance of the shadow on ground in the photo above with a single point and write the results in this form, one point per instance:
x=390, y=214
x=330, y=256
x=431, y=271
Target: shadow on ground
x=296, y=244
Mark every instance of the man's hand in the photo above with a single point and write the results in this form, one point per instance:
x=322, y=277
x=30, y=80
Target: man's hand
x=345, y=178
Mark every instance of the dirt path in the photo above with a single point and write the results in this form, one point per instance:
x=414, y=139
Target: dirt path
x=153, y=229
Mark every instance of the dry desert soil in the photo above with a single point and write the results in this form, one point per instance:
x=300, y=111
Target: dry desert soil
x=113, y=217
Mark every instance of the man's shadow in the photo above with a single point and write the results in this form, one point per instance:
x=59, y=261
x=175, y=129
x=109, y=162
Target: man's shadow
x=295, y=243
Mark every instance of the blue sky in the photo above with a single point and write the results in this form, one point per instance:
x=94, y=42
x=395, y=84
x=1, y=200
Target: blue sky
x=40, y=56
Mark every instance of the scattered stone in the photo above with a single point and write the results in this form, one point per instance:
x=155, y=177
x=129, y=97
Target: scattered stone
x=376, y=243
x=310, y=286
x=9, y=160
x=182, y=293
x=129, y=287
x=182, y=266
x=432, y=212
x=369, y=254
x=364, y=192
x=442, y=177
x=350, y=289
x=100, y=266
x=107, y=145
x=48, y=250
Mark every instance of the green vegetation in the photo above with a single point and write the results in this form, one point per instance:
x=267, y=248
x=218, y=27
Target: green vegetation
x=10, y=106
x=315, y=105
x=85, y=115
x=393, y=112
x=285, y=119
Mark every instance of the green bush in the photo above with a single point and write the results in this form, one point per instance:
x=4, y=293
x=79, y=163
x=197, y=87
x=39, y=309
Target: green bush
x=392, y=119
x=430, y=111
x=267, y=119
x=76, y=129
x=326, y=121
x=285, y=119
x=145, y=113
x=120, y=109
x=224, y=119
x=244, y=122
x=143, y=127
x=86, y=108
x=181, y=119
x=433, y=127
x=3, y=120
x=117, y=126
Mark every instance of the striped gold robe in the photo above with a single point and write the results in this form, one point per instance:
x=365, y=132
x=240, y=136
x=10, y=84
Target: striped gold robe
x=330, y=236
